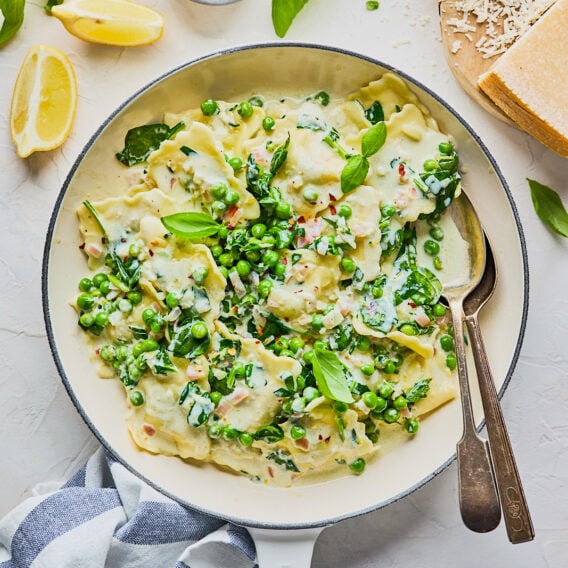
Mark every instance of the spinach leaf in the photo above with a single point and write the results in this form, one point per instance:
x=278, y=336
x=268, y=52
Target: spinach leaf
x=549, y=207
x=375, y=113
x=161, y=364
x=13, y=12
x=421, y=286
x=269, y=434
x=330, y=376
x=183, y=344
x=374, y=139
x=279, y=156
x=354, y=173
x=419, y=390
x=376, y=318
x=201, y=406
x=283, y=458
x=141, y=141
x=191, y=225
x=283, y=14
x=50, y=4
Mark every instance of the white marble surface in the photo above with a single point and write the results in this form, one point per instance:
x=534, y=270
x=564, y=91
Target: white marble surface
x=43, y=437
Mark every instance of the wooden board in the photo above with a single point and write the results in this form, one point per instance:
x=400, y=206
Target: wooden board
x=467, y=63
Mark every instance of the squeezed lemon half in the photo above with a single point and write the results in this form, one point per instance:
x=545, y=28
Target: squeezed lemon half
x=43, y=101
x=110, y=22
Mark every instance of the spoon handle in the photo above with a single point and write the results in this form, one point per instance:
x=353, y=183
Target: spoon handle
x=515, y=509
x=479, y=501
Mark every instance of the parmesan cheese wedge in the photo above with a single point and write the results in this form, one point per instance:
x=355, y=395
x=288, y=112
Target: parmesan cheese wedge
x=530, y=83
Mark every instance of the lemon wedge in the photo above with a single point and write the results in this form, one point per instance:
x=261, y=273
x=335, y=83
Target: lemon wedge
x=110, y=22
x=43, y=101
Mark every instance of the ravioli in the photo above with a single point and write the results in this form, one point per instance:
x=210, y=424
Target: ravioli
x=268, y=290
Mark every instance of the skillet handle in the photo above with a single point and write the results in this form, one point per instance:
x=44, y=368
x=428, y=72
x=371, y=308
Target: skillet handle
x=291, y=548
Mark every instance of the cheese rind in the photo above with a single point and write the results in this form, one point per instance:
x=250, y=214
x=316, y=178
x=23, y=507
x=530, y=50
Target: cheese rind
x=529, y=82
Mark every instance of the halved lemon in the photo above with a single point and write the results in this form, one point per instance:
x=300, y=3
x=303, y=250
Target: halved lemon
x=43, y=101
x=110, y=22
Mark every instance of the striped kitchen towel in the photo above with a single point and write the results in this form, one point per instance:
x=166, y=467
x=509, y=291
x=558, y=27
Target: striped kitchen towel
x=105, y=517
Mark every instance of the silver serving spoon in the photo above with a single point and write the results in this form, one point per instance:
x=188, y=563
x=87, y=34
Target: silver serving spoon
x=515, y=509
x=479, y=501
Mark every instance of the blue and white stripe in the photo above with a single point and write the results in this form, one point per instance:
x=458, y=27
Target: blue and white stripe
x=105, y=517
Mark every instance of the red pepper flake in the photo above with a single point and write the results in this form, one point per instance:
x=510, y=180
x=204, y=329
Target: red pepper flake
x=284, y=260
x=401, y=170
x=411, y=304
x=151, y=252
x=301, y=219
x=149, y=429
x=327, y=440
x=82, y=246
x=257, y=341
x=320, y=437
x=270, y=471
x=332, y=209
x=332, y=197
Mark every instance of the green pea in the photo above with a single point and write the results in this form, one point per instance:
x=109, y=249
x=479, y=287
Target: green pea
x=243, y=268
x=125, y=306
x=148, y=314
x=138, y=349
x=368, y=369
x=87, y=320
x=382, y=403
x=370, y=399
x=310, y=195
x=134, y=297
x=270, y=258
x=215, y=397
x=439, y=310
x=445, y=148
x=348, y=265
x=107, y=353
x=258, y=230
x=104, y=288
x=345, y=211
x=136, y=398
x=133, y=250
x=245, y=109
x=218, y=191
x=431, y=247
x=340, y=407
x=172, y=300
x=230, y=433
x=121, y=352
x=269, y=240
x=297, y=432
x=373, y=436
x=391, y=415
x=85, y=284
x=388, y=210
x=400, y=402
x=156, y=325
x=257, y=101
x=215, y=430
x=141, y=363
x=246, y=439
x=411, y=425
x=280, y=344
x=385, y=389
x=451, y=361
x=283, y=210
x=279, y=269
x=264, y=288
x=200, y=273
x=231, y=197
x=209, y=107
x=317, y=321
x=358, y=465
x=101, y=318
x=226, y=259
x=364, y=343
x=223, y=233
x=389, y=367
x=85, y=301
x=447, y=342
x=437, y=233
x=308, y=357
x=268, y=123
x=218, y=207
x=320, y=344
x=437, y=262
x=295, y=344
x=99, y=278
x=199, y=330
x=239, y=369
x=134, y=372
x=216, y=251
x=322, y=97
x=407, y=329
x=149, y=345
x=377, y=291
x=286, y=353
x=236, y=163
x=310, y=393
x=430, y=165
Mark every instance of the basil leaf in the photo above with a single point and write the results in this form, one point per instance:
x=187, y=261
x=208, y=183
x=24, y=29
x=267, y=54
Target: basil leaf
x=13, y=12
x=191, y=225
x=549, y=207
x=279, y=156
x=141, y=141
x=96, y=216
x=375, y=113
x=50, y=4
x=419, y=390
x=330, y=375
x=283, y=14
x=374, y=139
x=354, y=172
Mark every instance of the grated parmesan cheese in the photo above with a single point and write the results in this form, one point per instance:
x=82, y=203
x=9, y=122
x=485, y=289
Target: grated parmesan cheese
x=503, y=21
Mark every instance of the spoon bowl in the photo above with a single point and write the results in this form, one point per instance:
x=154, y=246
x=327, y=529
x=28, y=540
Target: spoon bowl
x=479, y=500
